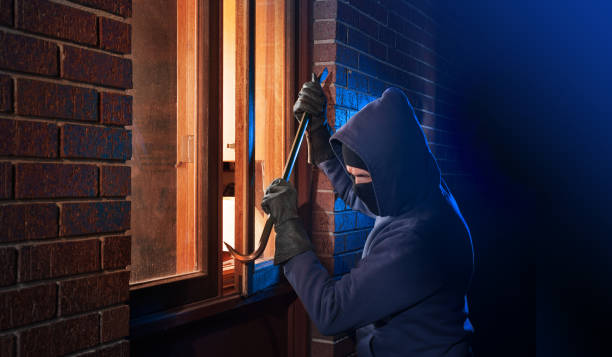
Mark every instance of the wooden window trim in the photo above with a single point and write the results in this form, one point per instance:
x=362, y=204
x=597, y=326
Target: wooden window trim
x=170, y=303
x=163, y=294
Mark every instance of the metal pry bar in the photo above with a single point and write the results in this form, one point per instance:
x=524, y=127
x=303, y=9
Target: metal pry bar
x=295, y=149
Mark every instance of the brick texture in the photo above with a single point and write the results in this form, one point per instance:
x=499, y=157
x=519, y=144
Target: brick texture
x=28, y=221
x=7, y=345
x=86, y=294
x=8, y=262
x=24, y=138
x=6, y=180
x=26, y=54
x=61, y=337
x=51, y=260
x=115, y=181
x=116, y=251
x=116, y=109
x=115, y=323
x=121, y=349
x=63, y=142
x=6, y=94
x=27, y=305
x=79, y=141
x=95, y=217
x=56, y=20
x=119, y=7
x=115, y=35
x=6, y=12
x=96, y=68
x=55, y=180
x=44, y=99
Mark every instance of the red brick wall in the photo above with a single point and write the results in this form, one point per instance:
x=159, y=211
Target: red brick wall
x=369, y=46
x=64, y=70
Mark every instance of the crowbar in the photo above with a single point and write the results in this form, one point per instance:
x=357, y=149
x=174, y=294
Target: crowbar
x=295, y=148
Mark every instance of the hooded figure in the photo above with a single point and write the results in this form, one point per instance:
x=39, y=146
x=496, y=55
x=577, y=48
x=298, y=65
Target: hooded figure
x=407, y=294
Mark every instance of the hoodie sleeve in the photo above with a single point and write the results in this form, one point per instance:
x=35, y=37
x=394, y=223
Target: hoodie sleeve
x=342, y=184
x=394, y=276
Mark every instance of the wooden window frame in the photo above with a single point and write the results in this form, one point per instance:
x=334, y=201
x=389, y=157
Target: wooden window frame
x=167, y=303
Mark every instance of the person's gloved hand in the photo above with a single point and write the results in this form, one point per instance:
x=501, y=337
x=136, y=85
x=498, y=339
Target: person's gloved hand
x=312, y=100
x=280, y=202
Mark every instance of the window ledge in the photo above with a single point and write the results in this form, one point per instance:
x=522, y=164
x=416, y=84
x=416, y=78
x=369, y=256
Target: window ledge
x=197, y=311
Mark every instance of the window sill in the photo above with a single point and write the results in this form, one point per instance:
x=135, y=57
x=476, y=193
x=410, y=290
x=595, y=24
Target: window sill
x=197, y=311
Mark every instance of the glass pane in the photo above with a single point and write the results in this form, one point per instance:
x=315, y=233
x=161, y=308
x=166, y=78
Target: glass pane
x=270, y=104
x=164, y=130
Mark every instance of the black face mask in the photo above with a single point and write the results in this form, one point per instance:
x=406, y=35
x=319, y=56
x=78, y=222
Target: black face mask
x=365, y=191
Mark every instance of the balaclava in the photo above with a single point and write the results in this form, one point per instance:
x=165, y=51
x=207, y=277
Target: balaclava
x=365, y=191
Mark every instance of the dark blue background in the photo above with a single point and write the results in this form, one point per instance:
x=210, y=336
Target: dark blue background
x=537, y=83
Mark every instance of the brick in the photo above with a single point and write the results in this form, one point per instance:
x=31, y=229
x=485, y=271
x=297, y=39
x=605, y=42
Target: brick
x=324, y=52
x=119, y=7
x=324, y=30
x=327, y=244
x=116, y=109
x=96, y=68
x=347, y=14
x=57, y=21
x=321, y=181
x=115, y=35
x=357, y=81
x=116, y=252
x=8, y=266
x=6, y=180
x=324, y=201
x=333, y=222
x=44, y=99
x=325, y=9
x=6, y=93
x=341, y=75
x=34, y=180
x=7, y=345
x=377, y=49
x=91, y=293
x=121, y=349
x=24, y=222
x=340, y=347
x=347, y=56
x=115, y=323
x=26, y=138
x=115, y=181
x=52, y=260
x=341, y=32
x=94, y=217
x=26, y=54
x=28, y=305
x=346, y=98
x=6, y=18
x=371, y=8
x=356, y=240
x=79, y=141
x=357, y=39
x=61, y=337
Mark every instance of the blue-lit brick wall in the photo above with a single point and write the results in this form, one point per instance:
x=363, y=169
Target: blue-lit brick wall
x=368, y=46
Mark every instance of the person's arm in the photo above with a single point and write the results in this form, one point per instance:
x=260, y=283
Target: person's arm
x=343, y=186
x=398, y=272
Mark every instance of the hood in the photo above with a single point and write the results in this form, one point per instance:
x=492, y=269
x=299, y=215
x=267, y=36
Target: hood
x=387, y=136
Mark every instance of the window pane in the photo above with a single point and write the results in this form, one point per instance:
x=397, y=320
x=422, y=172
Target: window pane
x=270, y=104
x=164, y=128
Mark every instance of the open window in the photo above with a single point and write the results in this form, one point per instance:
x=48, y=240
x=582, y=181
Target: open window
x=213, y=91
x=258, y=78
